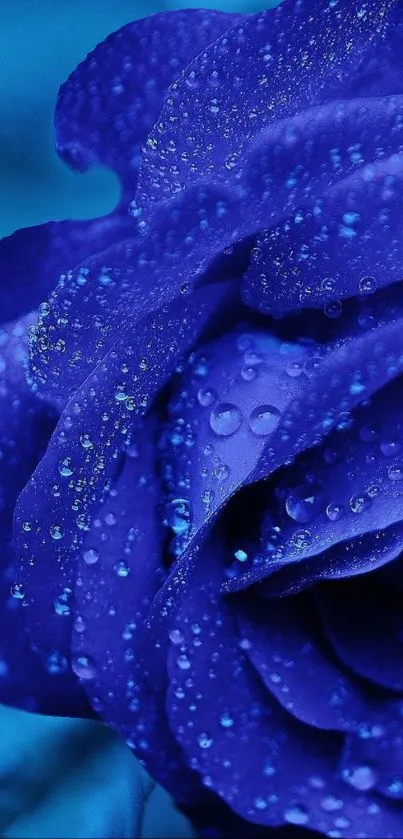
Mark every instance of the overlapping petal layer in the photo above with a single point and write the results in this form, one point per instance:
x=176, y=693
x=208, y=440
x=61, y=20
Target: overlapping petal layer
x=46, y=683
x=226, y=445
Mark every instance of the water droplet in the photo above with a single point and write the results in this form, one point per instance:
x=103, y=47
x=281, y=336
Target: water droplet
x=333, y=309
x=331, y=804
x=204, y=740
x=301, y=539
x=295, y=814
x=264, y=419
x=359, y=502
x=44, y=309
x=84, y=667
x=79, y=624
x=390, y=447
x=268, y=769
x=18, y=591
x=61, y=604
x=176, y=636
x=225, y=419
x=90, y=556
x=334, y=511
x=260, y=803
x=206, y=396
x=56, y=663
x=179, y=516
x=304, y=503
x=294, y=369
x=26, y=526
x=86, y=442
x=65, y=468
x=248, y=374
x=362, y=778
x=207, y=496
x=183, y=662
x=56, y=532
x=226, y=721
x=122, y=569
x=367, y=285
x=395, y=473
x=222, y=472
x=240, y=555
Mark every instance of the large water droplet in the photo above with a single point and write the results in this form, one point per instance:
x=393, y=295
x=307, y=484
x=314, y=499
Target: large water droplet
x=225, y=419
x=264, y=419
x=304, y=503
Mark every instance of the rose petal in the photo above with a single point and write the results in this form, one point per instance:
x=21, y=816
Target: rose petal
x=120, y=285
x=293, y=61
x=376, y=758
x=336, y=493
x=228, y=403
x=83, y=454
x=110, y=102
x=347, y=559
x=118, y=574
x=362, y=620
x=324, y=400
x=33, y=258
x=44, y=684
x=284, y=645
x=341, y=241
x=348, y=374
x=268, y=767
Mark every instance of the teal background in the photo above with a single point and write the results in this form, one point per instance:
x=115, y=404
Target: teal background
x=41, y=42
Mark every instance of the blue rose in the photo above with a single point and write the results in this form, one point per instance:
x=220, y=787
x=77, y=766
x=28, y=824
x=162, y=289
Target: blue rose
x=207, y=445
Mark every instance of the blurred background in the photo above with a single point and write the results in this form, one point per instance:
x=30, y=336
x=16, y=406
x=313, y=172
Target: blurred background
x=41, y=42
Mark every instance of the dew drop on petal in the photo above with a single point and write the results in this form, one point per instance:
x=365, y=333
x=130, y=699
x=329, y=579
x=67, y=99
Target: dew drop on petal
x=56, y=532
x=18, y=591
x=90, y=556
x=304, y=503
x=225, y=419
x=84, y=667
x=206, y=396
x=179, y=516
x=296, y=814
x=204, y=740
x=264, y=419
x=334, y=511
x=65, y=468
x=226, y=720
x=362, y=778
